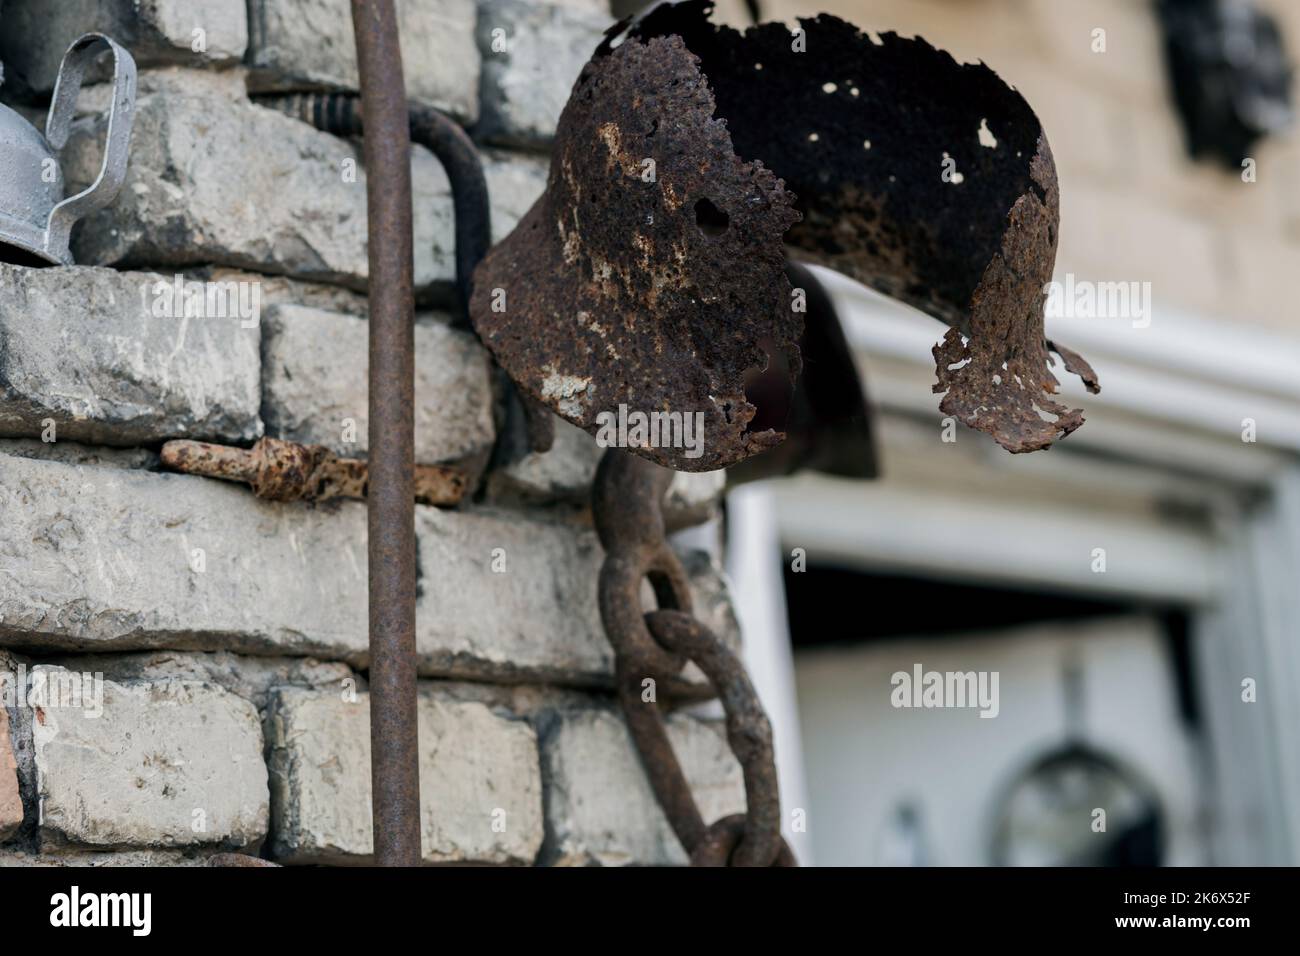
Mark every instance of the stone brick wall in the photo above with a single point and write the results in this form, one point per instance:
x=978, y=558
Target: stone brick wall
x=184, y=665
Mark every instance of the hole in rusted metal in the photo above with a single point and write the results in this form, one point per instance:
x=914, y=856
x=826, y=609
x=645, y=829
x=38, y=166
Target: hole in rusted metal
x=985, y=135
x=769, y=388
x=711, y=220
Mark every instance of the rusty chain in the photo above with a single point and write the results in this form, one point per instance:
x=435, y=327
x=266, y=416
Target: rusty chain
x=627, y=503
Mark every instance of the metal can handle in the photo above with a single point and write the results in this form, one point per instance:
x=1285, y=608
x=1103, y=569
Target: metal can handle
x=58, y=124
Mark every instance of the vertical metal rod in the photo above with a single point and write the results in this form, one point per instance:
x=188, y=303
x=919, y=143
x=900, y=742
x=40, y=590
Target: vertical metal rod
x=394, y=760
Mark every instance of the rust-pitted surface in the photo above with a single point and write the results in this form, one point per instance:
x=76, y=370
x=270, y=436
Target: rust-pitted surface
x=998, y=379
x=655, y=292
x=287, y=471
x=861, y=131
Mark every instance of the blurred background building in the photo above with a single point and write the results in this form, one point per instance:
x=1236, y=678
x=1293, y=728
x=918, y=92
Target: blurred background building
x=1135, y=587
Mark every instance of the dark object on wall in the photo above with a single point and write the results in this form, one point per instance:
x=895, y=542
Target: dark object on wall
x=649, y=276
x=1230, y=75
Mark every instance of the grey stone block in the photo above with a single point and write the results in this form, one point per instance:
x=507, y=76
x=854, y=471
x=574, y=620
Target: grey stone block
x=480, y=784
x=111, y=559
x=193, y=33
x=537, y=615
x=88, y=350
x=600, y=809
x=217, y=180
x=532, y=54
x=308, y=44
x=164, y=763
x=315, y=386
x=106, y=558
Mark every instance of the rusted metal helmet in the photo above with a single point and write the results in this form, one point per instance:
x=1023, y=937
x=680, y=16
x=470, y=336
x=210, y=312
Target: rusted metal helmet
x=650, y=275
x=35, y=219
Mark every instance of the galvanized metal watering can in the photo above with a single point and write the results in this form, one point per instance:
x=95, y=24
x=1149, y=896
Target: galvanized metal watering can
x=35, y=219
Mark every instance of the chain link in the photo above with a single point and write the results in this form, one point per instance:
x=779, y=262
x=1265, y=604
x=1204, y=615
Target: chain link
x=627, y=503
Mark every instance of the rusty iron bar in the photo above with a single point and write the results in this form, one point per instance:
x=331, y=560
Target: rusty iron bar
x=393, y=733
x=627, y=505
x=394, y=754
x=288, y=471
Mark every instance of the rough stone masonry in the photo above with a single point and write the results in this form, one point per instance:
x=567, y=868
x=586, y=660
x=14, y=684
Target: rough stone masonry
x=182, y=666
